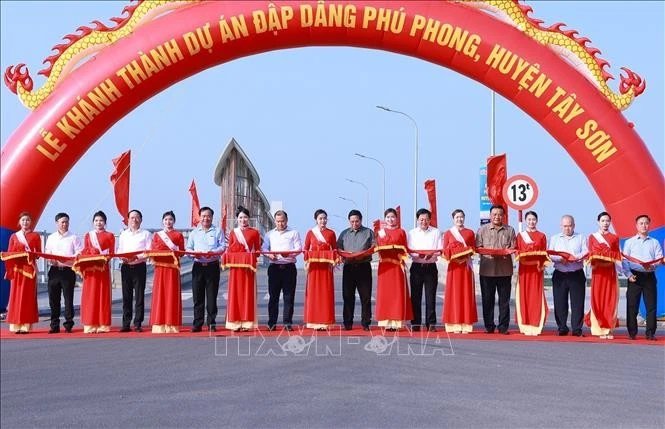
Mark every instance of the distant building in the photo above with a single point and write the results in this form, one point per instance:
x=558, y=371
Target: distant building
x=239, y=182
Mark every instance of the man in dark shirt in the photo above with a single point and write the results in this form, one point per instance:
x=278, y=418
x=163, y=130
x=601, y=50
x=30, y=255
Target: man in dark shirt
x=357, y=273
x=496, y=271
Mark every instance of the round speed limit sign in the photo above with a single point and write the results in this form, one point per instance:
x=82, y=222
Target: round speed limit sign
x=520, y=192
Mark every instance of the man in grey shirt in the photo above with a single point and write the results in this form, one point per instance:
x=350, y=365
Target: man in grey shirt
x=357, y=272
x=496, y=271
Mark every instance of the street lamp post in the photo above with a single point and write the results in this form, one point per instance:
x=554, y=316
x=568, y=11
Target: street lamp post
x=383, y=186
x=355, y=204
x=366, y=196
x=415, y=163
x=339, y=217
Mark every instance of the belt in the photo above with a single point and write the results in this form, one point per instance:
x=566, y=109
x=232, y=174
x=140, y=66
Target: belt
x=134, y=265
x=423, y=264
x=59, y=268
x=643, y=273
x=205, y=264
x=569, y=272
x=283, y=266
x=356, y=264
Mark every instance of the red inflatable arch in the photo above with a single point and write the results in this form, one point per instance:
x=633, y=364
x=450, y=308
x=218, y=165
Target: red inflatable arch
x=550, y=74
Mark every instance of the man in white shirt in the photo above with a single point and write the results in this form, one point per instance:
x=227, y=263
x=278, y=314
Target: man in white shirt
x=423, y=269
x=568, y=278
x=61, y=277
x=282, y=273
x=133, y=270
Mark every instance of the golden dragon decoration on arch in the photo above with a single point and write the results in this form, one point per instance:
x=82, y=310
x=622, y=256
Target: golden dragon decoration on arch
x=567, y=44
x=88, y=40
x=84, y=42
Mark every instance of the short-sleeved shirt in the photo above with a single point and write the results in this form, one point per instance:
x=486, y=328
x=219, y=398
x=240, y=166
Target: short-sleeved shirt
x=492, y=237
x=351, y=240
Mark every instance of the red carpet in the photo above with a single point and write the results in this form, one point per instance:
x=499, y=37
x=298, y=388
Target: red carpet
x=548, y=336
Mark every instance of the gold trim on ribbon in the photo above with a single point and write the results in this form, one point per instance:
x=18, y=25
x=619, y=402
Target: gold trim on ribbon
x=164, y=254
x=76, y=266
x=8, y=256
x=234, y=265
x=468, y=251
x=30, y=275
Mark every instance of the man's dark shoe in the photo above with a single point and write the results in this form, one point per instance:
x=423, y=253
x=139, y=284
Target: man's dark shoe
x=365, y=328
x=431, y=328
x=54, y=331
x=68, y=330
x=562, y=333
x=415, y=328
x=196, y=329
x=271, y=327
x=578, y=334
x=348, y=327
x=288, y=328
x=489, y=331
x=138, y=328
x=212, y=328
x=631, y=336
x=504, y=332
x=125, y=329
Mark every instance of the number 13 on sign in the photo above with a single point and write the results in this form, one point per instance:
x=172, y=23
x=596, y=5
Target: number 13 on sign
x=520, y=192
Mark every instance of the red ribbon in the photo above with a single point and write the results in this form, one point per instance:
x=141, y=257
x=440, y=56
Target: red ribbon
x=495, y=252
x=345, y=254
x=646, y=265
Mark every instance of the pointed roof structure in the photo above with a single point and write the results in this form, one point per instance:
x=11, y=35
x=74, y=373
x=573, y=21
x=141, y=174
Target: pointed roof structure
x=239, y=182
x=233, y=144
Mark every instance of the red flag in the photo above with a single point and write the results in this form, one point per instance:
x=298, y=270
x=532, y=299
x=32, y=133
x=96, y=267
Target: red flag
x=497, y=174
x=120, y=182
x=224, y=220
x=430, y=188
x=196, y=206
x=377, y=226
x=399, y=216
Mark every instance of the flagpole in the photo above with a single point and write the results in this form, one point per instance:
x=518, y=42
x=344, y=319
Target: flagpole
x=492, y=126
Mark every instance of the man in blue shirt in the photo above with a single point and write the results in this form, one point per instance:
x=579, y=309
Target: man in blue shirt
x=206, y=271
x=568, y=278
x=641, y=277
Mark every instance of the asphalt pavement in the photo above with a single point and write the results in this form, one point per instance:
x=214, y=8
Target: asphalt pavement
x=327, y=381
x=187, y=382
